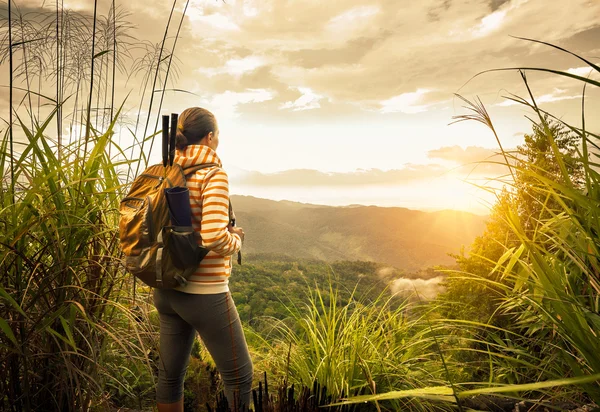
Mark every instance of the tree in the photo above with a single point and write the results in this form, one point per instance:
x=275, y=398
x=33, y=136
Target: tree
x=533, y=204
x=477, y=294
x=537, y=158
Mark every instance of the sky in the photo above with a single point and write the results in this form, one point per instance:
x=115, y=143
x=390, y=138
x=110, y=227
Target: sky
x=350, y=102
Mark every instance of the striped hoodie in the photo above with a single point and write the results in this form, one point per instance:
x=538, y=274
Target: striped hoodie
x=209, y=200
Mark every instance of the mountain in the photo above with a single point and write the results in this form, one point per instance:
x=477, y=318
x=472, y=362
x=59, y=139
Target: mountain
x=407, y=239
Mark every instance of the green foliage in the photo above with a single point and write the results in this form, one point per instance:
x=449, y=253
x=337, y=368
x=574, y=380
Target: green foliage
x=266, y=285
x=525, y=301
x=358, y=345
x=61, y=275
x=534, y=202
x=202, y=384
x=69, y=336
x=473, y=291
x=480, y=296
x=535, y=270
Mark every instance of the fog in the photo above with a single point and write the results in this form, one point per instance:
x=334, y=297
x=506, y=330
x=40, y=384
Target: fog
x=418, y=288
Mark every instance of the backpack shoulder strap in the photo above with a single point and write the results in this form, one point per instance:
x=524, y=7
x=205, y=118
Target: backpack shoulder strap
x=193, y=169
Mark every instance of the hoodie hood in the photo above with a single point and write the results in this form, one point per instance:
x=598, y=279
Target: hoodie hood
x=196, y=154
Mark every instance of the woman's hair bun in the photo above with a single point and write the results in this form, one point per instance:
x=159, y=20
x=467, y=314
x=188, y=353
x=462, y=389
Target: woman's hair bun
x=180, y=140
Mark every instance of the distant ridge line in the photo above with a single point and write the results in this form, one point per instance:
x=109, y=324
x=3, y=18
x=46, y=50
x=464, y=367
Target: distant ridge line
x=351, y=206
x=405, y=238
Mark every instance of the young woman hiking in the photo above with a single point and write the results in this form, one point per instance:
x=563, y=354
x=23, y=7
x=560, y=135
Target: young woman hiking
x=205, y=303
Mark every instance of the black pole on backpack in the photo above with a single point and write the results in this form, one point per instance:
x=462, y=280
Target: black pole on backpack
x=165, y=140
x=174, y=118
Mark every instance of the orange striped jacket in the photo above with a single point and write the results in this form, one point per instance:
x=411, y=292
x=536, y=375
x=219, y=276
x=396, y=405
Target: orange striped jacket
x=209, y=201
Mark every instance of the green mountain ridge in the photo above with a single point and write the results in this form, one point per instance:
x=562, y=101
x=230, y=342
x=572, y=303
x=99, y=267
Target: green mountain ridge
x=405, y=238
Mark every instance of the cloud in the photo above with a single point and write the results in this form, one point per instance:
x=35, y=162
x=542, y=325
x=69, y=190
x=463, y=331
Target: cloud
x=419, y=288
x=494, y=21
x=492, y=165
x=496, y=4
x=489, y=23
x=216, y=21
x=354, y=14
x=350, y=52
x=226, y=104
x=478, y=160
x=313, y=178
x=235, y=66
x=385, y=271
x=351, y=21
x=276, y=61
x=405, y=102
x=376, y=56
x=581, y=71
x=461, y=155
x=307, y=101
x=556, y=96
x=251, y=9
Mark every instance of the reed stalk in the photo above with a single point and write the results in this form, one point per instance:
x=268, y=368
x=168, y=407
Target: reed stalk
x=156, y=73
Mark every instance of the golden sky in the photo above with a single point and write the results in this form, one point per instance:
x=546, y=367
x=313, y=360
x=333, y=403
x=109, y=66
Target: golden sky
x=348, y=102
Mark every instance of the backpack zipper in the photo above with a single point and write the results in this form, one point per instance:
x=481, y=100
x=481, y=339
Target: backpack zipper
x=141, y=199
x=149, y=220
x=152, y=176
x=159, y=178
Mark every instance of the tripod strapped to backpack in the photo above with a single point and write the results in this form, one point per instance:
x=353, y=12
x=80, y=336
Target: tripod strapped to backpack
x=155, y=227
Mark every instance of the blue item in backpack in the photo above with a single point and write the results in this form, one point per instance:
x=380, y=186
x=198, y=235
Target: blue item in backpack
x=178, y=199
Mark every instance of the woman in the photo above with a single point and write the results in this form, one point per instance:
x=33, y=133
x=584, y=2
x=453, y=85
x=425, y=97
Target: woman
x=205, y=303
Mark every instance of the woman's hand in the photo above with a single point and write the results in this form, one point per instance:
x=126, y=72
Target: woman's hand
x=236, y=230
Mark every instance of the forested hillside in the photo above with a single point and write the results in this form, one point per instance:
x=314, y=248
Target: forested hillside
x=268, y=284
x=407, y=239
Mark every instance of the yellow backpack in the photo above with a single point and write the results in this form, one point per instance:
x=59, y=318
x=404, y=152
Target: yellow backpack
x=160, y=254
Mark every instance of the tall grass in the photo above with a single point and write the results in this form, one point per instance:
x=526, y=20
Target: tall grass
x=356, y=346
x=69, y=336
x=62, y=290
x=549, y=282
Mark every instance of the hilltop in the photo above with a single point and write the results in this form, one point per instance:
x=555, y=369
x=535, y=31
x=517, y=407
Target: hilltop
x=407, y=239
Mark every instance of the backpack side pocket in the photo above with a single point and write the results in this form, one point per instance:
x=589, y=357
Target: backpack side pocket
x=183, y=248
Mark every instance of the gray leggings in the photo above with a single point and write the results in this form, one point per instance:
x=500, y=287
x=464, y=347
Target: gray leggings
x=217, y=321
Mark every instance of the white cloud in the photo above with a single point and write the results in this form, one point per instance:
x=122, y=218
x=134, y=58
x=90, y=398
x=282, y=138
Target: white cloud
x=250, y=9
x=490, y=23
x=555, y=96
x=405, y=103
x=235, y=67
x=247, y=64
x=309, y=100
x=343, y=26
x=356, y=13
x=217, y=20
x=225, y=104
x=75, y=6
x=423, y=289
x=580, y=71
x=494, y=21
x=385, y=271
